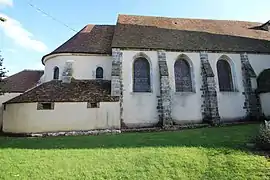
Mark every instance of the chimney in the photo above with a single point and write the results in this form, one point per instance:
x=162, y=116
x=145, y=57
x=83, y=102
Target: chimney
x=67, y=72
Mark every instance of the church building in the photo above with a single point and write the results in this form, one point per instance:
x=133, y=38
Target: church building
x=148, y=71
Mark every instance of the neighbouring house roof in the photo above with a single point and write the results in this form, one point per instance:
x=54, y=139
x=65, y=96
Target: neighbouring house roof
x=92, y=39
x=189, y=34
x=76, y=91
x=22, y=81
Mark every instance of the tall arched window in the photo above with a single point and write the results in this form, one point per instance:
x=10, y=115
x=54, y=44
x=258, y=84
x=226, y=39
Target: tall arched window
x=141, y=75
x=99, y=73
x=56, y=73
x=182, y=74
x=224, y=75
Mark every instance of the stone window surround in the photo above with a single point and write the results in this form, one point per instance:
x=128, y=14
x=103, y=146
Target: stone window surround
x=192, y=73
x=136, y=56
x=233, y=74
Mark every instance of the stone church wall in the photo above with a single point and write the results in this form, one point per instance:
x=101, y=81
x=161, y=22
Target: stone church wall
x=84, y=66
x=145, y=109
x=139, y=109
x=265, y=102
x=186, y=106
x=260, y=62
x=230, y=104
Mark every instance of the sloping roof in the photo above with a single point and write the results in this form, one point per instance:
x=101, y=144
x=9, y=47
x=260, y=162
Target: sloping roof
x=95, y=39
x=22, y=81
x=76, y=91
x=147, y=32
x=179, y=34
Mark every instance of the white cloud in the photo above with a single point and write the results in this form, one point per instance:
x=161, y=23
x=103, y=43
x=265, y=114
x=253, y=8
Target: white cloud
x=6, y=2
x=14, y=30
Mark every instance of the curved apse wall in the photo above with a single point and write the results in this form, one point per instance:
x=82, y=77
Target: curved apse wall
x=84, y=66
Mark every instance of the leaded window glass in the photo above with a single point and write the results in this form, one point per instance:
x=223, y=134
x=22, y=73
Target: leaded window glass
x=99, y=73
x=56, y=73
x=141, y=75
x=182, y=75
x=224, y=76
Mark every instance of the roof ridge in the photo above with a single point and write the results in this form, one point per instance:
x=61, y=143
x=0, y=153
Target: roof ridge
x=99, y=25
x=201, y=19
x=33, y=70
x=29, y=70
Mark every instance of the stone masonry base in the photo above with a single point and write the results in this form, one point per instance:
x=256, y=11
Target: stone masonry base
x=118, y=131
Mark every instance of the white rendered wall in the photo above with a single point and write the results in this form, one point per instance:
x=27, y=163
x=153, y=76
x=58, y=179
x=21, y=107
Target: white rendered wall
x=265, y=103
x=259, y=62
x=3, y=98
x=230, y=104
x=25, y=118
x=186, y=106
x=139, y=109
x=84, y=66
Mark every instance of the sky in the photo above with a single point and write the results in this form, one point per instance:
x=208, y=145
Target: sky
x=28, y=34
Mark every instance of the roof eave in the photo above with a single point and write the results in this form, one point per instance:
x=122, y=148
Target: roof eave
x=78, y=52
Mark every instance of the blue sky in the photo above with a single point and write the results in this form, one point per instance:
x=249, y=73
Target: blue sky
x=27, y=35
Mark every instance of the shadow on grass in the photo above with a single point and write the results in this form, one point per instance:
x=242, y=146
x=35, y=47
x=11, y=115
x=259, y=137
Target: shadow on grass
x=234, y=137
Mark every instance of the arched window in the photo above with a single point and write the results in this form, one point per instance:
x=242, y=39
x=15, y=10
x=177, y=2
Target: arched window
x=56, y=73
x=99, y=73
x=182, y=76
x=141, y=75
x=224, y=75
x=263, y=81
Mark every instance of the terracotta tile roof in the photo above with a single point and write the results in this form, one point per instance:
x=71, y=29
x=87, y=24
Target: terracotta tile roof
x=179, y=34
x=189, y=34
x=95, y=39
x=76, y=91
x=22, y=81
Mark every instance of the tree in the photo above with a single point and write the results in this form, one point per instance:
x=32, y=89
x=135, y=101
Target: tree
x=2, y=76
x=2, y=19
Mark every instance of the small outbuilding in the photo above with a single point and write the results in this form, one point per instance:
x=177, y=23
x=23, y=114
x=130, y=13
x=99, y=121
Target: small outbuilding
x=56, y=106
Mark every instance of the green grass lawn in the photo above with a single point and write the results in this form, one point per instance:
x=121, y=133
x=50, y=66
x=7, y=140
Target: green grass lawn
x=209, y=153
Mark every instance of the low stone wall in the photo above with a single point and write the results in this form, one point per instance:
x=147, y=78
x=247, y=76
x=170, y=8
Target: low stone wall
x=118, y=131
x=67, y=116
x=67, y=133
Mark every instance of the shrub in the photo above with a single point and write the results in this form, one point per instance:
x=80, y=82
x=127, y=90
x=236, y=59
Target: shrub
x=263, y=137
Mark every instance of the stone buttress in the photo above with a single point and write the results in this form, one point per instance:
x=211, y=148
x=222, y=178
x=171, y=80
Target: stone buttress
x=209, y=106
x=252, y=101
x=164, y=100
x=116, y=82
